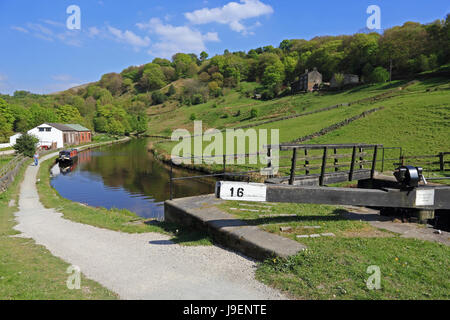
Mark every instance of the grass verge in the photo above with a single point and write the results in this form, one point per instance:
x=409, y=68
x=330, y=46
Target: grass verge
x=336, y=267
x=114, y=219
x=29, y=271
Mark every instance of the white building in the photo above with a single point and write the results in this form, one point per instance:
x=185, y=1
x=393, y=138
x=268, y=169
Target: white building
x=48, y=135
x=56, y=135
x=13, y=139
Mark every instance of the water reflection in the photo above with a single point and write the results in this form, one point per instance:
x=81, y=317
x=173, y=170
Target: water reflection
x=123, y=176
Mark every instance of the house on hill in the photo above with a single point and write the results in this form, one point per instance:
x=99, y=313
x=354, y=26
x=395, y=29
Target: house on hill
x=309, y=81
x=58, y=135
x=349, y=79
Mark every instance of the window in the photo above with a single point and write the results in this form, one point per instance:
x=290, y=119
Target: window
x=41, y=129
x=48, y=129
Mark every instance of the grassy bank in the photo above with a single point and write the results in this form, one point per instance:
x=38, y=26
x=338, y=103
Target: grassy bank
x=335, y=267
x=29, y=271
x=414, y=118
x=114, y=219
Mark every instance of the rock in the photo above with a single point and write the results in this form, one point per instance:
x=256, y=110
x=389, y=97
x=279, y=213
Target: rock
x=438, y=232
x=329, y=234
x=302, y=236
x=314, y=235
x=285, y=229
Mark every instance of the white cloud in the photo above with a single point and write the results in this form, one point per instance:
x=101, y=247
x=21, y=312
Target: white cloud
x=69, y=37
x=129, y=37
x=20, y=29
x=231, y=14
x=93, y=32
x=174, y=39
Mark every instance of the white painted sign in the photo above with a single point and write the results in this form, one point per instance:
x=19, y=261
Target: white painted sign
x=424, y=197
x=241, y=191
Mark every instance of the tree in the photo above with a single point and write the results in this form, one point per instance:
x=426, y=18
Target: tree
x=339, y=78
x=113, y=82
x=184, y=65
x=5, y=129
x=69, y=114
x=152, y=77
x=26, y=145
x=158, y=97
x=273, y=77
x=171, y=90
x=161, y=62
x=379, y=74
x=286, y=45
x=203, y=56
x=6, y=111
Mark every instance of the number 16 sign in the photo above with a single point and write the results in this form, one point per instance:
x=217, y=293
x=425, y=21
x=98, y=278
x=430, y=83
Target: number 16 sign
x=241, y=191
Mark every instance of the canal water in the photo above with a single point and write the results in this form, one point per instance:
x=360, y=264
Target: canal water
x=124, y=176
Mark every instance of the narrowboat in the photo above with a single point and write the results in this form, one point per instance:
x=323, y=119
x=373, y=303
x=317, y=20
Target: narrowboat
x=68, y=156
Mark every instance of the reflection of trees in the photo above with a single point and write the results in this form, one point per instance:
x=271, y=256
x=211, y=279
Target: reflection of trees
x=133, y=168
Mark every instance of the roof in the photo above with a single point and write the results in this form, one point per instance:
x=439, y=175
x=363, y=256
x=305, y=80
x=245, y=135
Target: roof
x=61, y=127
x=68, y=127
x=77, y=127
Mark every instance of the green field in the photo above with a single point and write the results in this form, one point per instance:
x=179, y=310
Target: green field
x=335, y=267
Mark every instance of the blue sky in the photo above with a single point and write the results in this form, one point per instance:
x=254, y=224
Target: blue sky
x=41, y=55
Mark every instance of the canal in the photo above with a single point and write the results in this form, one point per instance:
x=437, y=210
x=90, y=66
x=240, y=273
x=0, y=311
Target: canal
x=124, y=176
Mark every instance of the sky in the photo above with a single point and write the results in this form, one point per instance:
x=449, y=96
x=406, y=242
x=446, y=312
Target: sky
x=39, y=53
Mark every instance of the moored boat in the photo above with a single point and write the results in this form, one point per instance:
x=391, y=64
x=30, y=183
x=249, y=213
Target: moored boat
x=68, y=156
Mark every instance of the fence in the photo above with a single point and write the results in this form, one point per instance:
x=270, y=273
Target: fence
x=309, y=164
x=326, y=163
x=9, y=171
x=429, y=163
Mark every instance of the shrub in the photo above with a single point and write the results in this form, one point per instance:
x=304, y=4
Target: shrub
x=379, y=74
x=193, y=117
x=26, y=145
x=197, y=99
x=253, y=113
x=158, y=97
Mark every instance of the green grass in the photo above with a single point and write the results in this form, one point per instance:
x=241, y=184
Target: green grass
x=29, y=271
x=414, y=118
x=5, y=159
x=114, y=219
x=213, y=112
x=417, y=121
x=335, y=267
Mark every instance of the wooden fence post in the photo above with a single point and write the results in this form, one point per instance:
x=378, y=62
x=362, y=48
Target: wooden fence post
x=441, y=161
x=361, y=159
x=374, y=162
x=306, y=162
x=293, y=165
x=352, y=165
x=336, y=161
x=324, y=164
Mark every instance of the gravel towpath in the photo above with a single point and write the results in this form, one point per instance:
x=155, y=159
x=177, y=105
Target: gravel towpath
x=138, y=266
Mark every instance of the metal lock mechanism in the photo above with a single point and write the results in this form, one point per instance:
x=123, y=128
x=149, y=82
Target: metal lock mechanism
x=409, y=176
